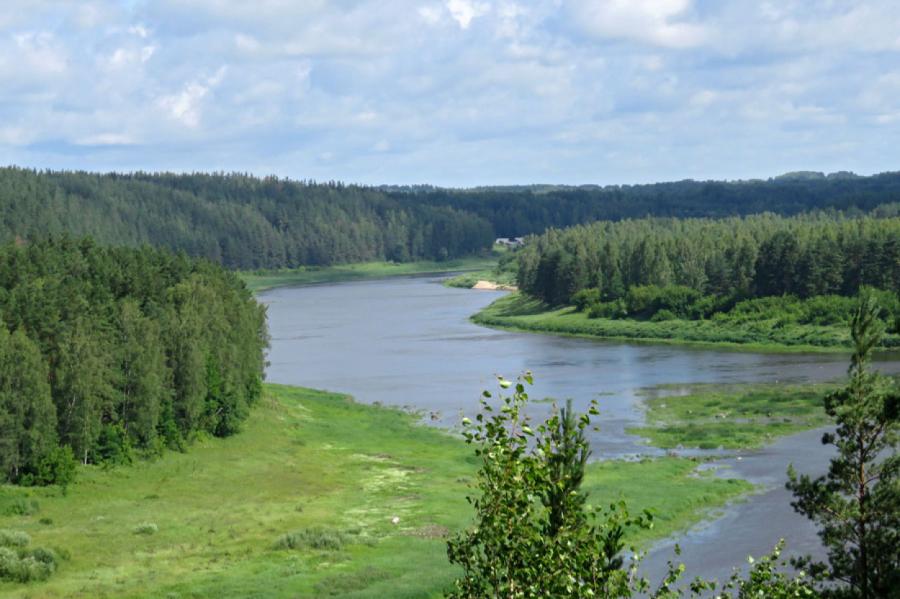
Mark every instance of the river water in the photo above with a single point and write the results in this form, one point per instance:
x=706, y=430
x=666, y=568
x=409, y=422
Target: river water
x=408, y=342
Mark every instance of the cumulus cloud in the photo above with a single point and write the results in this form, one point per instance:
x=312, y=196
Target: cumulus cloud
x=452, y=91
x=185, y=106
x=465, y=11
x=657, y=22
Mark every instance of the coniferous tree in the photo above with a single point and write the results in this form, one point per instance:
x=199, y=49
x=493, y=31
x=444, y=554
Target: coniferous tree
x=27, y=414
x=857, y=503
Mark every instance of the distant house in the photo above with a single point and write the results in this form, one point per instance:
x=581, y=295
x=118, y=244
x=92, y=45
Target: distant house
x=510, y=242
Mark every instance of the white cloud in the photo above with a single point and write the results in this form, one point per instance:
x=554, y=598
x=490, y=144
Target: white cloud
x=650, y=21
x=565, y=90
x=465, y=11
x=431, y=13
x=186, y=105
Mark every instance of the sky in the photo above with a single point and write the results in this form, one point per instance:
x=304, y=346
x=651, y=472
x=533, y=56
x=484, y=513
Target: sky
x=453, y=92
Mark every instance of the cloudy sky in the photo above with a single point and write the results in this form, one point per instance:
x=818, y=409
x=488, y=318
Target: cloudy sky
x=453, y=92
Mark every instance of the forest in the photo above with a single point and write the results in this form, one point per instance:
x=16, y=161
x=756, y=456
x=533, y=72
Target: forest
x=520, y=210
x=246, y=222
x=239, y=221
x=696, y=268
x=107, y=352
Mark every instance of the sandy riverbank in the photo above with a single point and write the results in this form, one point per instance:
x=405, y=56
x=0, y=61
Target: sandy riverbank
x=492, y=286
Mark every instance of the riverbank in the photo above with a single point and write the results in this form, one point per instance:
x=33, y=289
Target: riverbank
x=262, y=280
x=315, y=465
x=484, y=279
x=518, y=312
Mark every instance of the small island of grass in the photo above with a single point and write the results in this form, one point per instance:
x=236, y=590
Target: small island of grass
x=730, y=417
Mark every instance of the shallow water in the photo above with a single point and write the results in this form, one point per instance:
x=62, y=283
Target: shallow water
x=408, y=342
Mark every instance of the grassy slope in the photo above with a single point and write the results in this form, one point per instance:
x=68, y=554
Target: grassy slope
x=733, y=417
x=267, y=279
x=306, y=458
x=519, y=312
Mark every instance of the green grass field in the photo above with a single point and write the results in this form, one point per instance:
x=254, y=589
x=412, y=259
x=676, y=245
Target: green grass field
x=731, y=417
x=522, y=313
x=267, y=279
x=312, y=463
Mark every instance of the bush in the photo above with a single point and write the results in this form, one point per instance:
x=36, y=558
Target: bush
x=827, y=310
x=23, y=507
x=312, y=538
x=615, y=309
x=57, y=467
x=14, y=538
x=145, y=528
x=18, y=564
x=647, y=300
x=662, y=315
x=586, y=298
x=113, y=446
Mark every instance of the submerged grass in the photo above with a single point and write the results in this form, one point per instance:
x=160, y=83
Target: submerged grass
x=262, y=280
x=317, y=496
x=522, y=313
x=731, y=417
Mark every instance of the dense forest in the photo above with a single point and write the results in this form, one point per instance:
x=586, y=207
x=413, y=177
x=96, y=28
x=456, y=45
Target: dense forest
x=247, y=222
x=236, y=220
x=694, y=268
x=106, y=351
x=516, y=211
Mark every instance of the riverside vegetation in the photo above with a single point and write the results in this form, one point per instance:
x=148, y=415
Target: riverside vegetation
x=760, y=281
x=744, y=416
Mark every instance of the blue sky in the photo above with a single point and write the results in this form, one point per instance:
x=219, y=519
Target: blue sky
x=453, y=92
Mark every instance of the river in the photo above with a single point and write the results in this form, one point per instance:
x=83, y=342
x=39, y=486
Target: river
x=408, y=342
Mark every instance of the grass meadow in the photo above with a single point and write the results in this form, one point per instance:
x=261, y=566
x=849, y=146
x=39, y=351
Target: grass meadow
x=317, y=497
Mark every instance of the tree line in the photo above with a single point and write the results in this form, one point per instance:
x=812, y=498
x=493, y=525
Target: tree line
x=247, y=222
x=236, y=220
x=723, y=260
x=521, y=210
x=106, y=351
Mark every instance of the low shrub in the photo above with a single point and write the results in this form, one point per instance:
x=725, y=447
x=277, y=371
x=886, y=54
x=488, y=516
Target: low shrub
x=23, y=507
x=145, y=528
x=14, y=538
x=312, y=538
x=614, y=309
x=20, y=564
